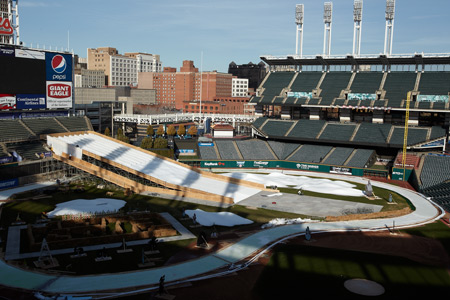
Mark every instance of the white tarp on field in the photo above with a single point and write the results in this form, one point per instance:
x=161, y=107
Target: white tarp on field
x=84, y=206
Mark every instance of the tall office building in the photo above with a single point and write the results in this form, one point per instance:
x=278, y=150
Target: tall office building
x=122, y=70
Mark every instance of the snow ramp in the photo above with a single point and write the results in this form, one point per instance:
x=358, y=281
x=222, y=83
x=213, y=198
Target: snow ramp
x=143, y=171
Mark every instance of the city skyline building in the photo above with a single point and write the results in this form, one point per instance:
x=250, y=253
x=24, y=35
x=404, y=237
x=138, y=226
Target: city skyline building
x=122, y=70
x=174, y=88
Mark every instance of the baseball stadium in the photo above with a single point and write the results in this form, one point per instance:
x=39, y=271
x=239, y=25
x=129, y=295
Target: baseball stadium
x=338, y=184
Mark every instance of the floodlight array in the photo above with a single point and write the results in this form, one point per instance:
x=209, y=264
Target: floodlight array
x=390, y=9
x=299, y=14
x=357, y=10
x=328, y=12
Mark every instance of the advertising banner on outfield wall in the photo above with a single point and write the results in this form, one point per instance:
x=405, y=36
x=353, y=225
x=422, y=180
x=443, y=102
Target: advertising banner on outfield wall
x=341, y=170
x=7, y=101
x=59, y=94
x=397, y=173
x=30, y=101
x=281, y=164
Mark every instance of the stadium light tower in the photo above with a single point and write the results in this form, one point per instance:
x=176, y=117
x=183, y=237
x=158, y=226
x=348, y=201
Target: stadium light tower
x=299, y=14
x=9, y=22
x=327, y=18
x=389, y=33
x=357, y=18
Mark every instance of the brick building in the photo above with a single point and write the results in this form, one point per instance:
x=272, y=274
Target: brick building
x=183, y=90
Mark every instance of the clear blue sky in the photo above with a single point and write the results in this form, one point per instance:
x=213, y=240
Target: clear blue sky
x=229, y=30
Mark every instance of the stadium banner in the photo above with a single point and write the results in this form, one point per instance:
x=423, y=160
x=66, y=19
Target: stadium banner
x=397, y=173
x=58, y=67
x=30, y=101
x=45, y=154
x=6, y=159
x=5, y=51
x=238, y=164
x=187, y=152
x=307, y=167
x=361, y=96
x=42, y=114
x=206, y=144
x=300, y=94
x=59, y=94
x=32, y=54
x=7, y=101
x=432, y=98
x=6, y=184
x=276, y=164
x=341, y=170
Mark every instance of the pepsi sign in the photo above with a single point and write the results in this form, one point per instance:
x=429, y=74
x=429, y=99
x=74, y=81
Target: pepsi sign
x=58, y=66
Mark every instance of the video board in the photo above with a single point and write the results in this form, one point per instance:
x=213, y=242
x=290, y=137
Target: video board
x=32, y=79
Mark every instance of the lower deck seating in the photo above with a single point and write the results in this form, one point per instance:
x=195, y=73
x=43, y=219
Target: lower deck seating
x=28, y=150
x=227, y=150
x=207, y=152
x=73, y=123
x=13, y=130
x=254, y=149
x=282, y=150
x=360, y=158
x=429, y=176
x=310, y=153
x=338, y=156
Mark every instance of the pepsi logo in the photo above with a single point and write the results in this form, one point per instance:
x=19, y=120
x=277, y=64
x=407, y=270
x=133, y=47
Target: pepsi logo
x=59, y=64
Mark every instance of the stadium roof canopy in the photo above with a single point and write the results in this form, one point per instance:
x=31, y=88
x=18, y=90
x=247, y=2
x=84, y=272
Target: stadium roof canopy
x=407, y=59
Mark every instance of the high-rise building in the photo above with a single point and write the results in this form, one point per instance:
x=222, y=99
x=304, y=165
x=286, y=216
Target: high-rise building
x=122, y=70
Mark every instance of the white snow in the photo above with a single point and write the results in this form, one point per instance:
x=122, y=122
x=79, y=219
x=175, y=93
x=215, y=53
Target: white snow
x=146, y=163
x=217, y=218
x=318, y=185
x=283, y=221
x=83, y=206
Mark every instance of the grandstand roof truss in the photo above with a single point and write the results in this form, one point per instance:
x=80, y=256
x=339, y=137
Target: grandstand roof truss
x=417, y=59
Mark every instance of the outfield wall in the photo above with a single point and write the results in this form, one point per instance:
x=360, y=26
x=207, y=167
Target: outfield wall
x=290, y=165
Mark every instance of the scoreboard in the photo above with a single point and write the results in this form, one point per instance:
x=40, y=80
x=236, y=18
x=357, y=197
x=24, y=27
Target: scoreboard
x=34, y=79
